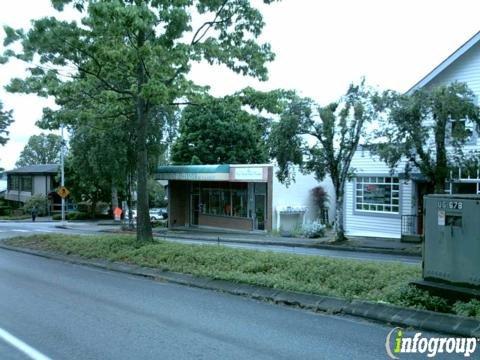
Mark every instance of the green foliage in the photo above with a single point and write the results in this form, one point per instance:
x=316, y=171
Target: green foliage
x=471, y=308
x=156, y=194
x=40, y=202
x=5, y=120
x=41, y=149
x=318, y=275
x=131, y=59
x=411, y=296
x=220, y=131
x=425, y=120
x=336, y=129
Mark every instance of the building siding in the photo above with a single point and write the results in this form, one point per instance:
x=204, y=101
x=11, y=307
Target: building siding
x=357, y=223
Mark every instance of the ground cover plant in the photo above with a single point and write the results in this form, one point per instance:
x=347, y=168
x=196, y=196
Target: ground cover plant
x=351, y=279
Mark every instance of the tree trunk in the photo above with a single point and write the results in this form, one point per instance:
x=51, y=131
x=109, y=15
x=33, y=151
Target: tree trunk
x=114, y=198
x=339, y=229
x=144, y=227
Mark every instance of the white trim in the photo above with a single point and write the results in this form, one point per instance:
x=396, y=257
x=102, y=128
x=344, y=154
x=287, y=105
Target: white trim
x=445, y=63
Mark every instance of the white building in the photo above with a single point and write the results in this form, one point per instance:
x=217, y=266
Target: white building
x=400, y=211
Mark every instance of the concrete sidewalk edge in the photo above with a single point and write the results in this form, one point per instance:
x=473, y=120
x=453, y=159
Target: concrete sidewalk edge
x=386, y=313
x=291, y=244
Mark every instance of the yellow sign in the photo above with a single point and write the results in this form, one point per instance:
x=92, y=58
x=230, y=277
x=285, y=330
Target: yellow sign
x=63, y=192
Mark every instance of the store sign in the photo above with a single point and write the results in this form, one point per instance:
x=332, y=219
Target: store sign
x=249, y=173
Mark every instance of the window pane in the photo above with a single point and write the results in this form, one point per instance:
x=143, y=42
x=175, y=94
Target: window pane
x=379, y=194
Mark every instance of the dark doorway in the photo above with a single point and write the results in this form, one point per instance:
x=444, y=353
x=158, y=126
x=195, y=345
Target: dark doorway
x=195, y=208
x=260, y=205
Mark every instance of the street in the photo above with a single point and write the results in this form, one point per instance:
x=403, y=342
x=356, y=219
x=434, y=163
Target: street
x=21, y=228
x=66, y=311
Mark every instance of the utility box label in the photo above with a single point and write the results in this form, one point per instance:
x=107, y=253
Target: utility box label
x=441, y=217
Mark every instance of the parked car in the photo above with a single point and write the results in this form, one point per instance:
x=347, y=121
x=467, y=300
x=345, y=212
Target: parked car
x=157, y=214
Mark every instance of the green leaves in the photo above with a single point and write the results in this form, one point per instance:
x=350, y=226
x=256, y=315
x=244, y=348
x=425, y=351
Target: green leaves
x=219, y=131
x=5, y=120
x=41, y=149
x=429, y=119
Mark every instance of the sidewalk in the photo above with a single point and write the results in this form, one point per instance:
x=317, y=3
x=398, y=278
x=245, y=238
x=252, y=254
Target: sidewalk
x=374, y=245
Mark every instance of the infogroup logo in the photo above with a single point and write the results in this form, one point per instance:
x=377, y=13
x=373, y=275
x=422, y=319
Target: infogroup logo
x=397, y=343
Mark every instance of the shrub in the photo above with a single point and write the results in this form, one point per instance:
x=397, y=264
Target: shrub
x=38, y=201
x=313, y=230
x=57, y=217
x=5, y=210
x=471, y=308
x=411, y=296
x=77, y=215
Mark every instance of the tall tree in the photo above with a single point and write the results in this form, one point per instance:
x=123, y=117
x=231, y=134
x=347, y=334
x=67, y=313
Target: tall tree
x=427, y=130
x=221, y=131
x=5, y=120
x=139, y=52
x=41, y=149
x=323, y=140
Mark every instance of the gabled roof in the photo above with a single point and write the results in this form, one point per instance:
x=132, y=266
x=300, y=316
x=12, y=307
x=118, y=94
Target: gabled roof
x=445, y=63
x=36, y=169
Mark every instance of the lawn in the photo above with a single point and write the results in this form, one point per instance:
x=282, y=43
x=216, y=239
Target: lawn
x=350, y=279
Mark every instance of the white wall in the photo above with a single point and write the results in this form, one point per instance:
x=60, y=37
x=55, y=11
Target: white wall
x=298, y=194
x=358, y=223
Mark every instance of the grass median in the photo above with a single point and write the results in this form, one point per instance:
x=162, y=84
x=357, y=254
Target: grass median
x=350, y=279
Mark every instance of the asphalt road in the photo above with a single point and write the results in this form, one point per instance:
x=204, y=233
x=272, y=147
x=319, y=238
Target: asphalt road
x=66, y=311
x=19, y=228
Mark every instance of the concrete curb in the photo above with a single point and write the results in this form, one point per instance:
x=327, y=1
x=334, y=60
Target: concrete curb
x=390, y=314
x=293, y=244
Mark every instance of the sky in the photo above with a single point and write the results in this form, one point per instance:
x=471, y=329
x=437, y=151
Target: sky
x=321, y=47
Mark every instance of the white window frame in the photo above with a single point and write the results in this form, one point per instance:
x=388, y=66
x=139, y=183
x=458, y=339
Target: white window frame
x=384, y=208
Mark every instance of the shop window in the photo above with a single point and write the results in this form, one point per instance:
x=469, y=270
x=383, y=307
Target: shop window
x=377, y=194
x=224, y=202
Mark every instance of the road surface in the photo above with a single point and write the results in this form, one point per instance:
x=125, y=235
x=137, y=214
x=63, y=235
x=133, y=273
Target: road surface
x=66, y=311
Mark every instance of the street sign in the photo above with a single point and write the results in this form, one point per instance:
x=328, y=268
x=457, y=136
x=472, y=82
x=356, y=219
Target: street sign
x=63, y=192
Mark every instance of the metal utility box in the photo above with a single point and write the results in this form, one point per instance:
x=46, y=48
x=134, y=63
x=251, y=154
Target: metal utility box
x=451, y=252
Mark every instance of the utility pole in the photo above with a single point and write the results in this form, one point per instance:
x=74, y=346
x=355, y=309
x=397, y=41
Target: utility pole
x=63, y=176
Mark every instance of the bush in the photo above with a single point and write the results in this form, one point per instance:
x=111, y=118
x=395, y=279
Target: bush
x=313, y=230
x=411, y=296
x=471, y=308
x=5, y=210
x=75, y=215
x=38, y=201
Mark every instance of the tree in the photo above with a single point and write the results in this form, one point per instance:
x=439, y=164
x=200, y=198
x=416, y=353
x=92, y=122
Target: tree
x=41, y=149
x=138, y=53
x=323, y=140
x=5, y=120
x=220, y=131
x=427, y=130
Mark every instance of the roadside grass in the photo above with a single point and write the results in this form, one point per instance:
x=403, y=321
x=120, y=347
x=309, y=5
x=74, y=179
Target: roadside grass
x=14, y=217
x=350, y=279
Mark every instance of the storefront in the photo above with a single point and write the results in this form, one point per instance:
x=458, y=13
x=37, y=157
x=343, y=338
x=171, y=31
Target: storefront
x=221, y=196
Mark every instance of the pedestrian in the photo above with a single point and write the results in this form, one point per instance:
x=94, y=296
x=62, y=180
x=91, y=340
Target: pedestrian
x=34, y=213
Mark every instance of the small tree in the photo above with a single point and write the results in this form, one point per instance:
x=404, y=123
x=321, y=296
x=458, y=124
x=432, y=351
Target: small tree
x=323, y=141
x=427, y=130
x=41, y=149
x=321, y=199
